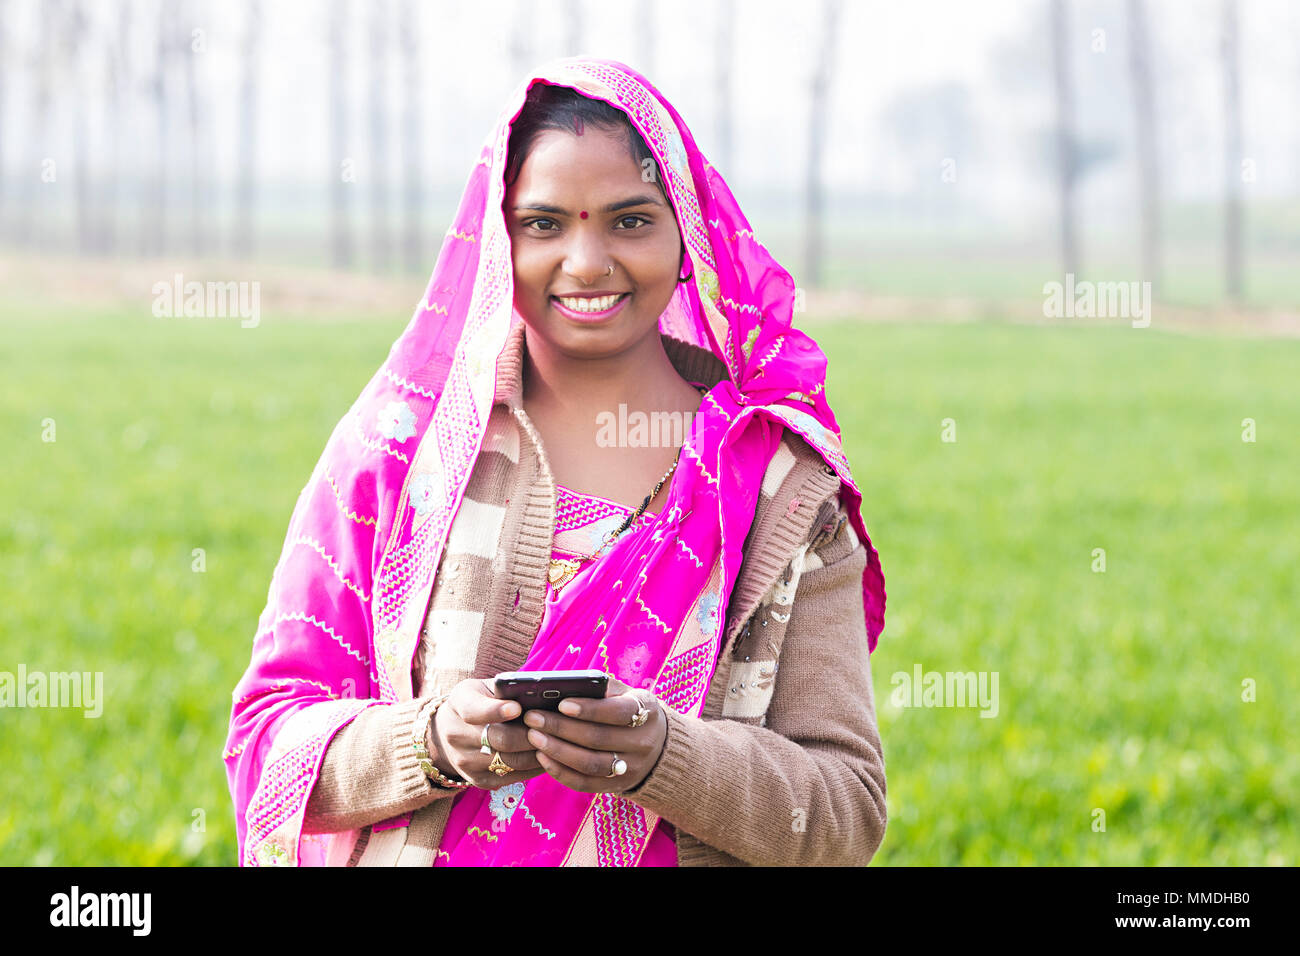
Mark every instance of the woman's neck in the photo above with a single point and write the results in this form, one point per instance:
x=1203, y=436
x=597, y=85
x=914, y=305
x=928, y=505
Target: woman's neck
x=564, y=388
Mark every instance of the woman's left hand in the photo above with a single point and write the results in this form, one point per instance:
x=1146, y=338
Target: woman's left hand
x=578, y=746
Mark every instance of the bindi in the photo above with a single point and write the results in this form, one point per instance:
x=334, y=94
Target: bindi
x=583, y=214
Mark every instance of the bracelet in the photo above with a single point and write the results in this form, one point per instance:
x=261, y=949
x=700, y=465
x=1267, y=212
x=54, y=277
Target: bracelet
x=422, y=719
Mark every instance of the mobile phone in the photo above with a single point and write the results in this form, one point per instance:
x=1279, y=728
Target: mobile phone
x=543, y=690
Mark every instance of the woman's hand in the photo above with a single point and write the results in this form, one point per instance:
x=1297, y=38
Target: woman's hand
x=579, y=749
x=456, y=730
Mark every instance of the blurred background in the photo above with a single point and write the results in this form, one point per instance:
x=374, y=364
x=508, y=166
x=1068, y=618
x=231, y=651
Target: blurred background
x=926, y=171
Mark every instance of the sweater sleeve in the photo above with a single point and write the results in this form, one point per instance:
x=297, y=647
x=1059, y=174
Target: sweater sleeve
x=808, y=788
x=370, y=772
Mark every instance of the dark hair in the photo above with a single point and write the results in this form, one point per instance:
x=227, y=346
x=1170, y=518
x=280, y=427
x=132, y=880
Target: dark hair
x=561, y=108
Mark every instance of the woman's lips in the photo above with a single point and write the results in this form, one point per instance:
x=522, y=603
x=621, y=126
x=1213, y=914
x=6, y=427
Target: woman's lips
x=590, y=316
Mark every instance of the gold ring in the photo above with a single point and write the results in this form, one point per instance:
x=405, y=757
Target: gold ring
x=642, y=715
x=499, y=766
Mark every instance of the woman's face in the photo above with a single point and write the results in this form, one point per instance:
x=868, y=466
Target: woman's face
x=579, y=207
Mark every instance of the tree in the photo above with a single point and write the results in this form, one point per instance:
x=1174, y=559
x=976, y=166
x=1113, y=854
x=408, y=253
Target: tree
x=1067, y=168
x=722, y=63
x=413, y=202
x=341, y=245
x=1232, y=158
x=246, y=183
x=381, y=239
x=1144, y=116
x=821, y=81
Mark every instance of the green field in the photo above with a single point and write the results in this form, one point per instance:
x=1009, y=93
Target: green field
x=1119, y=691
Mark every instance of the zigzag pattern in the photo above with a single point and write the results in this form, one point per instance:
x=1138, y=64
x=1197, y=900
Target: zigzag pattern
x=236, y=752
x=740, y=307
x=338, y=572
x=329, y=691
x=348, y=512
x=377, y=445
x=549, y=834
x=771, y=353
x=659, y=622
x=689, y=553
x=308, y=619
x=714, y=402
x=456, y=234
x=693, y=454
x=403, y=383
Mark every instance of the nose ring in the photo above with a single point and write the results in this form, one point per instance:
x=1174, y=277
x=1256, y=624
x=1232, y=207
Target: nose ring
x=610, y=272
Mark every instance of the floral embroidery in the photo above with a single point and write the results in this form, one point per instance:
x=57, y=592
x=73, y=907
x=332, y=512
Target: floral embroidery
x=272, y=853
x=505, y=801
x=709, y=282
x=706, y=614
x=422, y=493
x=396, y=421
x=631, y=664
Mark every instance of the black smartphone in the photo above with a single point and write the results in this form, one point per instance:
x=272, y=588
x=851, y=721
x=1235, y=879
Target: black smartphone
x=543, y=690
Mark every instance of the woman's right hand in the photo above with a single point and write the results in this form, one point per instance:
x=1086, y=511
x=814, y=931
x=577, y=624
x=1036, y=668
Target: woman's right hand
x=456, y=730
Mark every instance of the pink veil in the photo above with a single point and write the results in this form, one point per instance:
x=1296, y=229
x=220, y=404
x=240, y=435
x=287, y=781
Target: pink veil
x=346, y=601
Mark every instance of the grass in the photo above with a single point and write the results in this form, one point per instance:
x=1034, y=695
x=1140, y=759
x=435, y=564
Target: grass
x=1119, y=691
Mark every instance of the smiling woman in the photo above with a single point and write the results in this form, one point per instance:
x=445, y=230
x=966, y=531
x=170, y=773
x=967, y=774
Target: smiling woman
x=467, y=518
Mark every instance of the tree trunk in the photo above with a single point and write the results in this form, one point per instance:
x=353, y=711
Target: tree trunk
x=1144, y=114
x=155, y=238
x=821, y=81
x=1067, y=159
x=189, y=57
x=381, y=240
x=342, y=249
x=246, y=185
x=722, y=59
x=412, y=155
x=1232, y=158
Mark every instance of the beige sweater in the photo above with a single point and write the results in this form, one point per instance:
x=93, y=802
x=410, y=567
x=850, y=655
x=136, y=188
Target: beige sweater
x=783, y=767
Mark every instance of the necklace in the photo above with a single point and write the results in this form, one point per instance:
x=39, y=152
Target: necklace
x=562, y=570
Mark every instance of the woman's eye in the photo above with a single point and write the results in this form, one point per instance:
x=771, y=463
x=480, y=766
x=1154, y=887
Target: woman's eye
x=634, y=220
x=541, y=225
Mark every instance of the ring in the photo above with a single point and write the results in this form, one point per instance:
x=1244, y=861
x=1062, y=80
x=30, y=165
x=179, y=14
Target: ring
x=610, y=272
x=642, y=715
x=484, y=746
x=499, y=766
x=618, y=768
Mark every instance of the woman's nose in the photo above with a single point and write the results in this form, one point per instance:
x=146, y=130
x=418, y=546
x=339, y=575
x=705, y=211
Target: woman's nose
x=586, y=259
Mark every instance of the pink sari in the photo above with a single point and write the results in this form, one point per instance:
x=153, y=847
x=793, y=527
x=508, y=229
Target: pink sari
x=349, y=594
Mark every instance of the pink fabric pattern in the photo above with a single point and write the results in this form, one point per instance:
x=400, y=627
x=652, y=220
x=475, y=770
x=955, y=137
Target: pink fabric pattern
x=348, y=595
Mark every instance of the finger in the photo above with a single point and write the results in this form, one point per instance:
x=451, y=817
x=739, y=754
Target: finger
x=593, y=736
x=515, y=760
x=589, y=763
x=567, y=776
x=615, y=711
x=488, y=710
x=504, y=737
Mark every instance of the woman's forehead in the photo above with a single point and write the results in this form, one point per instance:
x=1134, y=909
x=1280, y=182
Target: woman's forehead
x=598, y=158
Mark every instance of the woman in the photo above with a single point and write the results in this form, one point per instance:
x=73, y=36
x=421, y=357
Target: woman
x=486, y=506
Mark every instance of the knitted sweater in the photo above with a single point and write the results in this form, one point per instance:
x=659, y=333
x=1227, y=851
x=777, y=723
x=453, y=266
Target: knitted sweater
x=783, y=767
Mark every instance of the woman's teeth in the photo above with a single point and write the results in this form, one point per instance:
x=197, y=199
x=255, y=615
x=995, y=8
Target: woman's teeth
x=599, y=304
